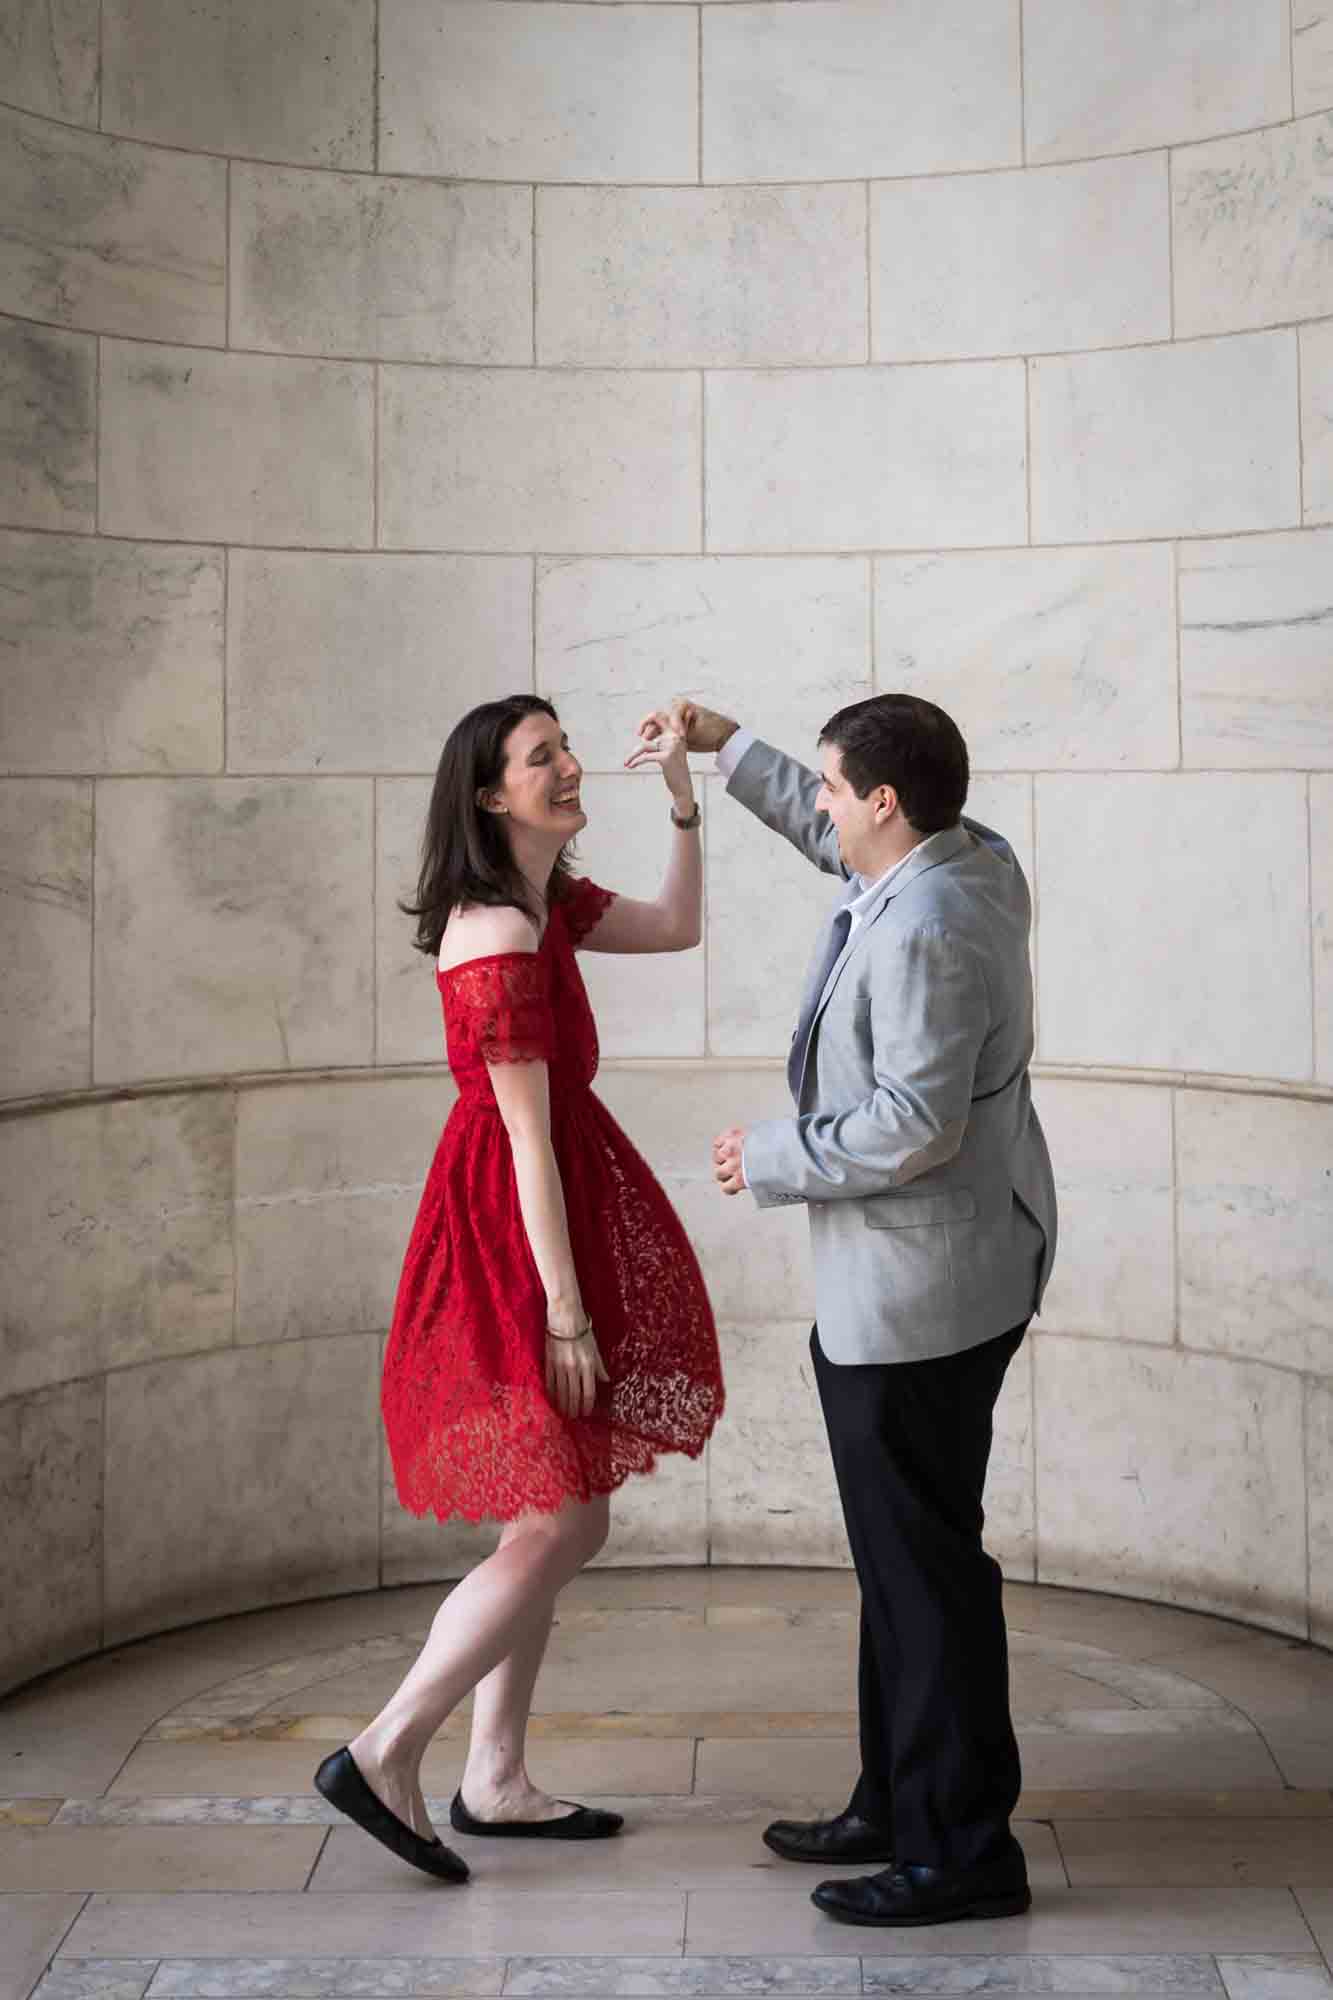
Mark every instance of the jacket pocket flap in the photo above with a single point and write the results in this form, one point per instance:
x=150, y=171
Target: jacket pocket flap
x=910, y=1211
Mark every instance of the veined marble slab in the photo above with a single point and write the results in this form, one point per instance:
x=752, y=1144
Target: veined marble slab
x=593, y=1976
x=97, y=1979
x=1251, y=230
x=1256, y=651
x=1271, y=1975
x=1043, y=1972
x=323, y=1978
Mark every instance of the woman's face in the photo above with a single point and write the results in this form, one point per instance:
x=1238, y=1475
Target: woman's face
x=539, y=787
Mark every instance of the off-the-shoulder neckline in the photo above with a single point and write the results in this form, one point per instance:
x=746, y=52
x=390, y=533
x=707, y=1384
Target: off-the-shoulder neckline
x=487, y=957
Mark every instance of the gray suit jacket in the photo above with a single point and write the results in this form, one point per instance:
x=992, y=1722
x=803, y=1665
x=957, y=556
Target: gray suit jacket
x=915, y=1144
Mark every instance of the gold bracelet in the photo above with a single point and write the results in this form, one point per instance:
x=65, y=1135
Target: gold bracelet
x=551, y=1333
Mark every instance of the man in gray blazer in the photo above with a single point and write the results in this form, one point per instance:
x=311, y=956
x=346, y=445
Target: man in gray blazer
x=932, y=1217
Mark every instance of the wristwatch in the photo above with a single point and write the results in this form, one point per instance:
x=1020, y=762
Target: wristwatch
x=686, y=825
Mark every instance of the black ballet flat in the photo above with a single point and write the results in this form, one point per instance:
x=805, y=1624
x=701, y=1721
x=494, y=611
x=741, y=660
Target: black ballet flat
x=579, y=1823
x=342, y=1784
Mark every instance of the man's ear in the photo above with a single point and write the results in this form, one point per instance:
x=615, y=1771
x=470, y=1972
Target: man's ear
x=886, y=805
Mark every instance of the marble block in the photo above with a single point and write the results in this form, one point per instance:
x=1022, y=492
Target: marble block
x=1194, y=439
x=660, y=1519
x=1256, y=1228
x=538, y=93
x=1101, y=77
x=119, y=646
x=408, y=1024
x=1010, y=1495
x=396, y=270
x=328, y=1178
x=571, y=463
x=1311, y=55
x=279, y=79
x=1002, y=800
x=116, y=1222
x=772, y=1494
x=1321, y=898
x=1151, y=955
x=1256, y=651
x=1317, y=420
x=1319, y=1477
x=48, y=445
x=51, y=1557
x=1052, y=659
x=1188, y=1487
x=112, y=236
x=781, y=642
x=1114, y=1273
x=701, y=277
x=366, y=662
x=235, y=447
x=925, y=86
x=254, y=950
x=1251, y=239
x=1021, y=263
x=646, y=1003
x=46, y=922
x=835, y=459
x=49, y=53
x=240, y=1479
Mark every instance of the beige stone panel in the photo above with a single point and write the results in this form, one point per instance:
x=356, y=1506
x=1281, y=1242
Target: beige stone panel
x=573, y=463
x=46, y=920
x=780, y=642
x=660, y=1517
x=328, y=1177
x=1110, y=1146
x=421, y=1548
x=836, y=459
x=116, y=1226
x=1149, y=954
x=365, y=663
x=235, y=447
x=1256, y=651
x=1312, y=55
x=48, y=51
x=1003, y=801
x=409, y=1025
x=1321, y=865
x=1050, y=659
x=1021, y=263
x=48, y=446
x=772, y=1494
x=165, y=1859
x=1250, y=242
x=254, y=950
x=1205, y=1509
x=33, y=1926
x=120, y=652
x=1256, y=1228
x=51, y=1556
x=112, y=236
x=1104, y=78
x=1317, y=420
x=1319, y=1479
x=701, y=277
x=645, y=1003
x=919, y=88
x=1194, y=439
x=240, y=1479
x=398, y=270
x=1010, y=1530
x=241, y=78
x=538, y=93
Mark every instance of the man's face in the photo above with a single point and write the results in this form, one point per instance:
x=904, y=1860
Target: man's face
x=856, y=820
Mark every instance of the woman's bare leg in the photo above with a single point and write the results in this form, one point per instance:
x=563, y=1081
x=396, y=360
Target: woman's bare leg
x=496, y=1784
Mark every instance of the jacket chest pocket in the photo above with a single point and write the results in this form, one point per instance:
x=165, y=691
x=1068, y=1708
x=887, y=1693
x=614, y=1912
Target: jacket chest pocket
x=912, y=1211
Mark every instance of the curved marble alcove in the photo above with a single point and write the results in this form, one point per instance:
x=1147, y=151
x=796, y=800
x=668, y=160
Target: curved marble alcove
x=360, y=360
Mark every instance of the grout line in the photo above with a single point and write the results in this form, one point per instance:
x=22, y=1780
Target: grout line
x=703, y=462
x=63, y=1939
x=226, y=261
x=101, y=62
x=235, y=1223
x=1060, y=1852
x=1170, y=244
x=375, y=91
x=699, y=94
x=1173, y=1137
x=1027, y=446
x=92, y=930
x=1291, y=57
x=1300, y=425
x=374, y=922
x=376, y=392
x=870, y=280
x=1176, y=656
x=226, y=660
x=1022, y=89
x=1310, y=919
x=532, y=264
x=319, y=1856
x=97, y=434
x=1307, y=1390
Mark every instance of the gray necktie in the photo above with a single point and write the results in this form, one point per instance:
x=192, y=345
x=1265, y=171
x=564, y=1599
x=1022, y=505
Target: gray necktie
x=839, y=926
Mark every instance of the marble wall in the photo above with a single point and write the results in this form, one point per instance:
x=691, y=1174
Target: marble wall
x=363, y=359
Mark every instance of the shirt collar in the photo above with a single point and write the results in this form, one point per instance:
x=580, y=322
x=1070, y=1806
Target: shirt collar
x=867, y=891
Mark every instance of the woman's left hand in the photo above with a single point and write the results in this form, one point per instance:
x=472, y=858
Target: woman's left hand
x=662, y=736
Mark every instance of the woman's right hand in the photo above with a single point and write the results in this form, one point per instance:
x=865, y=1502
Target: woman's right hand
x=573, y=1370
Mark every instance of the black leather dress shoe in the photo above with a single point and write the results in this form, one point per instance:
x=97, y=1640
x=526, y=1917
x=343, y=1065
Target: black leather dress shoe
x=917, y=1895
x=343, y=1786
x=579, y=1823
x=846, y=1837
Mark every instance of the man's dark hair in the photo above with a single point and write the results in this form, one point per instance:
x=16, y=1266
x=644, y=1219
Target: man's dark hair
x=900, y=740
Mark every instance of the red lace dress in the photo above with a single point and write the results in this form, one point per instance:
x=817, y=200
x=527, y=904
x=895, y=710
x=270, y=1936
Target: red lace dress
x=470, y=1428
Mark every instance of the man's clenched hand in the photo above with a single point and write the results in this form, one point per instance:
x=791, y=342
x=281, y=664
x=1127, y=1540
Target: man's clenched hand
x=704, y=728
x=727, y=1169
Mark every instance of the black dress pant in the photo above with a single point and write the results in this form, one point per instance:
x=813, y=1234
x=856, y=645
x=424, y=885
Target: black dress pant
x=910, y=1442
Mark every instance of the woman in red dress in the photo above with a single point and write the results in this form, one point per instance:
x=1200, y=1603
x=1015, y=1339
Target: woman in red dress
x=552, y=1334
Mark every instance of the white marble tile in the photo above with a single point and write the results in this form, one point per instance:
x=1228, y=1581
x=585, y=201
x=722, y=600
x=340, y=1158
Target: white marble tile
x=121, y=652
x=365, y=663
x=1152, y=956
x=570, y=463
x=1158, y=1973
x=1021, y=263
x=1052, y=659
x=254, y=952
x=1002, y=800
x=1319, y=1480
x=772, y=1494
x=396, y=270
x=1104, y=78
x=1274, y=1976
x=240, y=79
x=701, y=277
x=1193, y=439
x=409, y=1023
x=1311, y=55
x=110, y=236
x=46, y=917
x=51, y=1555
x=1131, y=1505
x=545, y=1976
x=49, y=53
x=1256, y=651
x=1250, y=238
x=919, y=88
x=48, y=447
x=780, y=642
x=1321, y=895
x=325, y=1978
x=1317, y=420
x=863, y=458
x=577, y=93
x=1111, y=1149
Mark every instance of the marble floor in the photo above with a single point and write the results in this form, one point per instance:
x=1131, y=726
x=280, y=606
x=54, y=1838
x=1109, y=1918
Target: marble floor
x=159, y=1837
